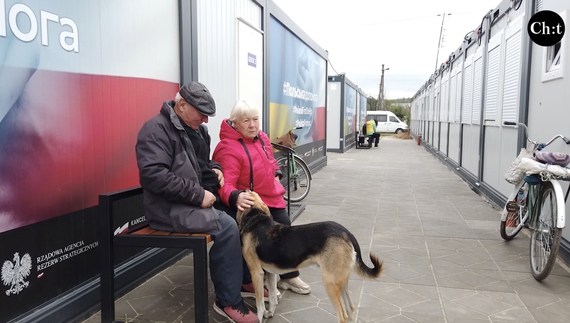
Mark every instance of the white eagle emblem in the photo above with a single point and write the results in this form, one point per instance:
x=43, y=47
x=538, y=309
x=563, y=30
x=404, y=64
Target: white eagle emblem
x=13, y=274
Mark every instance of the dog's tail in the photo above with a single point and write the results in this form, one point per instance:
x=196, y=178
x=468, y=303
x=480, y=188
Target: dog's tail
x=361, y=269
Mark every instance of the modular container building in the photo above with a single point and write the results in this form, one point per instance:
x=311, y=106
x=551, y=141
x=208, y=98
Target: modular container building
x=497, y=74
x=77, y=81
x=361, y=104
x=343, y=99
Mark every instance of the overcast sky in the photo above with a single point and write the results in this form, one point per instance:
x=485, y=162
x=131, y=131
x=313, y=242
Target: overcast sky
x=361, y=35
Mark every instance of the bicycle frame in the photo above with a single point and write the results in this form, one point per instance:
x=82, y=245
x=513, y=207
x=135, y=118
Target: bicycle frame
x=291, y=153
x=561, y=209
x=542, y=210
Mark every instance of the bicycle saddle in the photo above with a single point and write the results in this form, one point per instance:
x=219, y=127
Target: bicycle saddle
x=560, y=159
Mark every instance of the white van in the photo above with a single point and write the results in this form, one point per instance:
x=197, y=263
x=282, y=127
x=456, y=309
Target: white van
x=387, y=121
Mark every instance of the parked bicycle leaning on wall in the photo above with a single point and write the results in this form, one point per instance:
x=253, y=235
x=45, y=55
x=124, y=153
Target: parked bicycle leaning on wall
x=537, y=201
x=297, y=176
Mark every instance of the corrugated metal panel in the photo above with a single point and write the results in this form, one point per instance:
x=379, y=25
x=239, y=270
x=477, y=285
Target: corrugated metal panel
x=217, y=51
x=492, y=86
x=443, y=106
x=436, y=101
x=458, y=97
x=430, y=104
x=452, y=94
x=467, y=95
x=477, y=86
x=250, y=12
x=512, y=77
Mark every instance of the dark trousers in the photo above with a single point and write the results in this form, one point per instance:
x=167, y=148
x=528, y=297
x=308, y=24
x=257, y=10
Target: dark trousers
x=376, y=137
x=225, y=255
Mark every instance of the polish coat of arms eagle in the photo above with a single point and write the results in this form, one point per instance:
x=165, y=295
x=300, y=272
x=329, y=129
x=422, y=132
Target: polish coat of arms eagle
x=15, y=272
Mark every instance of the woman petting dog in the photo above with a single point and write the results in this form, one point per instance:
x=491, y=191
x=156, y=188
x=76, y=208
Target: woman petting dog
x=246, y=156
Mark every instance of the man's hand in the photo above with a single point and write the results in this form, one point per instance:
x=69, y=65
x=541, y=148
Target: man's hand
x=209, y=200
x=244, y=201
x=220, y=176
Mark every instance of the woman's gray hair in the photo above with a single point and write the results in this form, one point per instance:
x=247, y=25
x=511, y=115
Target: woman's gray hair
x=244, y=108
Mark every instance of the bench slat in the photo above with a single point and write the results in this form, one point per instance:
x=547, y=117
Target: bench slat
x=145, y=230
x=208, y=237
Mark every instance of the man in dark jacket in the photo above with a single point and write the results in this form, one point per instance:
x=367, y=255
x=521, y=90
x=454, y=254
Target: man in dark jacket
x=180, y=186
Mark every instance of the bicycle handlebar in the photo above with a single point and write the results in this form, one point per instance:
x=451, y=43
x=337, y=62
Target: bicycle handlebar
x=511, y=123
x=281, y=147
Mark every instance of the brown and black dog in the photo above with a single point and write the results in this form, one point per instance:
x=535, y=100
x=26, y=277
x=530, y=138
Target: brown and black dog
x=278, y=249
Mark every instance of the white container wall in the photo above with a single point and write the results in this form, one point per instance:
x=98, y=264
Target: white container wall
x=217, y=51
x=494, y=76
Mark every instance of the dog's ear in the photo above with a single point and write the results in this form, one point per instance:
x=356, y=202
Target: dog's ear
x=258, y=203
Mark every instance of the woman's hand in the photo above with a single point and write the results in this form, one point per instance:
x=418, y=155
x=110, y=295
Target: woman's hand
x=244, y=201
x=220, y=176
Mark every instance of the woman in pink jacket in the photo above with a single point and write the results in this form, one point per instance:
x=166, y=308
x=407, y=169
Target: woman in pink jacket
x=246, y=156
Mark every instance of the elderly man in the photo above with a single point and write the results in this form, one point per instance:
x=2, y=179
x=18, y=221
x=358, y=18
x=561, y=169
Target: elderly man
x=180, y=186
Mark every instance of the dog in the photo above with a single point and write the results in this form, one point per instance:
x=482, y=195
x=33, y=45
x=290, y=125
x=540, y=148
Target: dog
x=278, y=249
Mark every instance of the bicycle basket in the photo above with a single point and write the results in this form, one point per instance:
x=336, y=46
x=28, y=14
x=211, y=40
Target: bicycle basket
x=287, y=140
x=514, y=174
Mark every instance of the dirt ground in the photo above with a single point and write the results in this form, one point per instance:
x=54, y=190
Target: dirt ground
x=403, y=135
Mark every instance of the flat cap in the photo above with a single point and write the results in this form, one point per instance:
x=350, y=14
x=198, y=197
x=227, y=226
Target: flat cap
x=199, y=97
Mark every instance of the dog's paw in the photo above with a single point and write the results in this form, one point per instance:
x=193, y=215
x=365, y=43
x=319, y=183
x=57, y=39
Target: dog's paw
x=268, y=314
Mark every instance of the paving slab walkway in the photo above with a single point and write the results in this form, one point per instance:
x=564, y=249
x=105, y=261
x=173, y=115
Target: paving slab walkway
x=444, y=258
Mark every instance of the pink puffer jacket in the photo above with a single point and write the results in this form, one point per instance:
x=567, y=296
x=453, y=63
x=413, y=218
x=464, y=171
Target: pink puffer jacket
x=233, y=157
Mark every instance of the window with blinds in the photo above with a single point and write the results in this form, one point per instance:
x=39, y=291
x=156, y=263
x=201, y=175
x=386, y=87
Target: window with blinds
x=511, y=83
x=458, y=96
x=467, y=105
x=477, y=87
x=493, y=79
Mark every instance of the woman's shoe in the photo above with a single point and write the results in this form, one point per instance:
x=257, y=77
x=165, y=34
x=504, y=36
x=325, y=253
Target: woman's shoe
x=247, y=291
x=295, y=284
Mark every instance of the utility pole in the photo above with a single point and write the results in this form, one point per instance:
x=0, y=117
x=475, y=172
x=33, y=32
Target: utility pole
x=440, y=39
x=380, y=102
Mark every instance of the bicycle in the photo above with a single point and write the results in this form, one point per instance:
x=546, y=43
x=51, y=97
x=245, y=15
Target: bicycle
x=537, y=203
x=296, y=174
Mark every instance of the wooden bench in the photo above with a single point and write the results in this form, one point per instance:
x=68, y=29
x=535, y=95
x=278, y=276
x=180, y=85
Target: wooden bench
x=145, y=236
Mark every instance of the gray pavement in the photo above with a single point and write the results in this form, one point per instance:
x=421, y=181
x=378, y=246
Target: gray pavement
x=443, y=256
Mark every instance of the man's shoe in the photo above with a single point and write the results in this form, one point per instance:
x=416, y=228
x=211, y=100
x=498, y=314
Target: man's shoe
x=247, y=291
x=238, y=313
x=375, y=145
x=295, y=284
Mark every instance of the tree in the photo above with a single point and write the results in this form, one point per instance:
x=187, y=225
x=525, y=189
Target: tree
x=370, y=104
x=400, y=107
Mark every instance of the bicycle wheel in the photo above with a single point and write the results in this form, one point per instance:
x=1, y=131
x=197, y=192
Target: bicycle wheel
x=516, y=211
x=545, y=237
x=298, y=182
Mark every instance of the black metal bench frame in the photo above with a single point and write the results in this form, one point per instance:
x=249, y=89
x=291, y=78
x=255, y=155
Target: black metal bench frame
x=147, y=237
x=360, y=141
